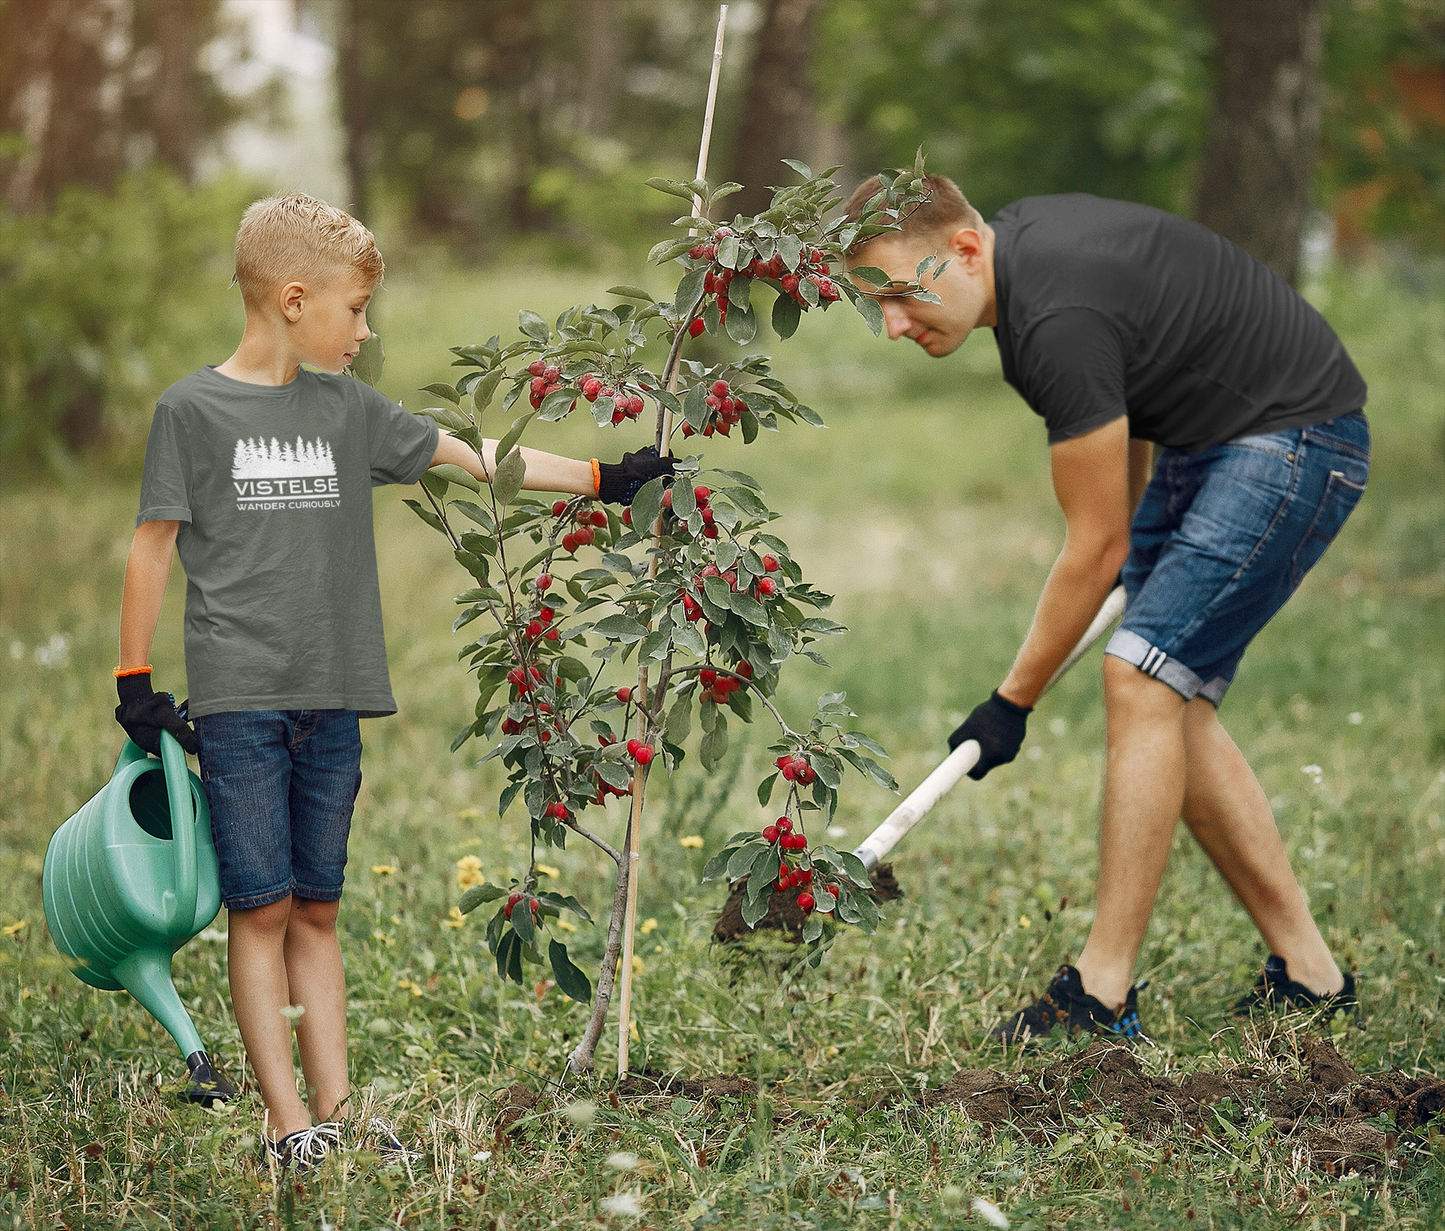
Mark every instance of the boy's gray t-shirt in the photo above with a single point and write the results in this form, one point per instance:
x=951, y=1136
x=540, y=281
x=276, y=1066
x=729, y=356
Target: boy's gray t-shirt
x=272, y=487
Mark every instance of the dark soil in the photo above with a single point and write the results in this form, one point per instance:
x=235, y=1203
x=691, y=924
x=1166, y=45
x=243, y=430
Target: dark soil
x=1326, y=1110
x=783, y=913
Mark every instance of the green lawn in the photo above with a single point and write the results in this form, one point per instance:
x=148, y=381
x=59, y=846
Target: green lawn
x=925, y=507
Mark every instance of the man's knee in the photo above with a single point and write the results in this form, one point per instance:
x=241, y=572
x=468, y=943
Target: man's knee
x=1129, y=692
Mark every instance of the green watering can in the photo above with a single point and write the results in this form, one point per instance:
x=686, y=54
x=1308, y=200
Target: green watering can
x=125, y=886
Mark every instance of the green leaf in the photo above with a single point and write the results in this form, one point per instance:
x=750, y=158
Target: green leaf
x=801, y=168
x=790, y=248
x=742, y=327
x=854, y=868
x=740, y=294
x=741, y=862
x=486, y=388
x=679, y=720
x=871, y=313
x=714, y=744
x=514, y=434
x=621, y=628
x=686, y=637
x=765, y=789
x=455, y=474
x=749, y=608
x=684, y=503
x=475, y=512
x=570, y=979
x=755, y=909
x=533, y=325
x=689, y=291
x=464, y=734
x=369, y=361
x=828, y=628
x=718, y=865
x=444, y=391
x=629, y=292
x=672, y=188
x=870, y=273
x=447, y=418
x=646, y=505
x=511, y=474
x=727, y=251
x=478, y=894
x=522, y=922
x=786, y=315
x=426, y=515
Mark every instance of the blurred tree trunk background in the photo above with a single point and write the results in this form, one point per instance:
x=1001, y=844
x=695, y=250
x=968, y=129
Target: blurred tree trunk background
x=1264, y=133
x=527, y=127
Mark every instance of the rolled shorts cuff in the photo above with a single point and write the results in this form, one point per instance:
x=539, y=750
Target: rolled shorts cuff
x=1155, y=663
x=258, y=899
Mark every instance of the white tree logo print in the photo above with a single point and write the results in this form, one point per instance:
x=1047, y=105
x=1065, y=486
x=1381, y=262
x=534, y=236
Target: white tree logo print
x=258, y=460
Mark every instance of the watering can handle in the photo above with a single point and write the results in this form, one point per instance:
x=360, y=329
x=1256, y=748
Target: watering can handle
x=183, y=832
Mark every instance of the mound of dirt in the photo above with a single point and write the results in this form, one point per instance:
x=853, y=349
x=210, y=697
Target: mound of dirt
x=783, y=913
x=651, y=1082
x=1326, y=1112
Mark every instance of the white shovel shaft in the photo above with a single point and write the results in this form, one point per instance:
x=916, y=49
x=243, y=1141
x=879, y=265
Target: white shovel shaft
x=965, y=756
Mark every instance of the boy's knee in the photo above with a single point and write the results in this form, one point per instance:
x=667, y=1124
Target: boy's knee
x=321, y=915
x=273, y=917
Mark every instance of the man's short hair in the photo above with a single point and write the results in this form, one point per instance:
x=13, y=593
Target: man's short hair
x=296, y=238
x=945, y=210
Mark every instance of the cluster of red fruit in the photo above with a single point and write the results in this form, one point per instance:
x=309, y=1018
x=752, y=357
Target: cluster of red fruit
x=546, y=378
x=796, y=769
x=639, y=752
x=585, y=519
x=541, y=625
x=709, y=520
x=518, y=897
x=815, y=269
x=791, y=876
x=605, y=788
x=717, y=687
x=625, y=405
x=523, y=679
x=725, y=409
x=512, y=727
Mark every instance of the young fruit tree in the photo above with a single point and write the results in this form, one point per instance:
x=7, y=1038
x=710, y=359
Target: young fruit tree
x=689, y=586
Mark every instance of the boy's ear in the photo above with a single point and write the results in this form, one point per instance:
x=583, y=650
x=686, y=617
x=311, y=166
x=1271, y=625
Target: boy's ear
x=292, y=297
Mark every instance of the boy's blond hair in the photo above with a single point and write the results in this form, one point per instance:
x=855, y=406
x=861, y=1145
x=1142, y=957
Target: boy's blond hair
x=296, y=238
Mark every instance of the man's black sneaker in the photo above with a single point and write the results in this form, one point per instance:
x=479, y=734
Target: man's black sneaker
x=1274, y=989
x=1067, y=1004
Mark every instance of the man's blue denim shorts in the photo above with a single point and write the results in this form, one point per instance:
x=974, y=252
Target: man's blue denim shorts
x=1223, y=537
x=281, y=785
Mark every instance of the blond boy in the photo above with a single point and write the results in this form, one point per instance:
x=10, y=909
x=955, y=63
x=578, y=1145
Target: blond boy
x=259, y=471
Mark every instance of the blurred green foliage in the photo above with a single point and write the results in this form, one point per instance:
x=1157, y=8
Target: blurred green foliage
x=105, y=300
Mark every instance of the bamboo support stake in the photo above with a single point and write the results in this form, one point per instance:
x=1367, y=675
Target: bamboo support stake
x=633, y=848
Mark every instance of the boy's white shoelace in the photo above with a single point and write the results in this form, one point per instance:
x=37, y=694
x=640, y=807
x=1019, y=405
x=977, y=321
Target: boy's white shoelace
x=382, y=1135
x=307, y=1147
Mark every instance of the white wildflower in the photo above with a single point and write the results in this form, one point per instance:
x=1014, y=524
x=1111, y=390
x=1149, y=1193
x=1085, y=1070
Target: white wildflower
x=990, y=1213
x=622, y=1161
x=1356, y=718
x=581, y=1113
x=628, y=1204
x=55, y=652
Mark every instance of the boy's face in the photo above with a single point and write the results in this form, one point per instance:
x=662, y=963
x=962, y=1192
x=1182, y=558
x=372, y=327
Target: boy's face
x=328, y=318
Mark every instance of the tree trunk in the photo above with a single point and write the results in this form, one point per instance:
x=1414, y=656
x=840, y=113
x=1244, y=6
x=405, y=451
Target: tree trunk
x=60, y=88
x=355, y=107
x=600, y=38
x=1264, y=134
x=175, y=111
x=778, y=114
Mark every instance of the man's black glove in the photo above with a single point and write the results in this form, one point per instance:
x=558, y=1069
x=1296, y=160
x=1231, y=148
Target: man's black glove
x=618, y=484
x=998, y=725
x=145, y=714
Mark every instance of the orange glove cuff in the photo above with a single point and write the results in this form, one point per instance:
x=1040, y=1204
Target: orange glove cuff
x=122, y=672
x=596, y=477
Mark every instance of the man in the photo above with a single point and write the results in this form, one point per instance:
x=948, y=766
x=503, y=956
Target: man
x=1127, y=328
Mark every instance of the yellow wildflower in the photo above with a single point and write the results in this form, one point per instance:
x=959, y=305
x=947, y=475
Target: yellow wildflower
x=384, y=869
x=11, y=928
x=469, y=872
x=649, y=926
x=1025, y=921
x=407, y=985
x=455, y=918
x=469, y=814
x=693, y=841
x=547, y=869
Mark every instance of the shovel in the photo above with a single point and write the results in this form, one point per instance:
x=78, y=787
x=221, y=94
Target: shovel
x=783, y=912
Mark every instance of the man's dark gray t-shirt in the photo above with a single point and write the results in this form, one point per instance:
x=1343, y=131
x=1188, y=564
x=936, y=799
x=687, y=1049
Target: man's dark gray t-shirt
x=272, y=487
x=1106, y=308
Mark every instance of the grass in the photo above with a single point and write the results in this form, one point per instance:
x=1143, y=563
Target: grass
x=925, y=506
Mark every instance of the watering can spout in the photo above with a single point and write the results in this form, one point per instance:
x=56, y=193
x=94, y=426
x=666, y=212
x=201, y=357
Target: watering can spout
x=129, y=879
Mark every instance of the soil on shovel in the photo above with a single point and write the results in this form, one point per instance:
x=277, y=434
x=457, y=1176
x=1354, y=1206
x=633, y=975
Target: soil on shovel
x=1326, y=1112
x=783, y=913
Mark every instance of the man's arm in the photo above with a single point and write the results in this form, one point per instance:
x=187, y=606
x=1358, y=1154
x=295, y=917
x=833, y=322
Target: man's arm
x=546, y=472
x=1092, y=479
x=147, y=569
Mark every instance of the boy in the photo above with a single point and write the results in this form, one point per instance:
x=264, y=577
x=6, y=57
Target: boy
x=1126, y=328
x=283, y=634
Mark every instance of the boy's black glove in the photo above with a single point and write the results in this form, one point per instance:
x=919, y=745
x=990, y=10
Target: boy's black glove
x=145, y=714
x=998, y=725
x=618, y=484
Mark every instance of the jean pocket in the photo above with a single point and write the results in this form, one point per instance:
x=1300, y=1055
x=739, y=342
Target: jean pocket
x=1339, y=499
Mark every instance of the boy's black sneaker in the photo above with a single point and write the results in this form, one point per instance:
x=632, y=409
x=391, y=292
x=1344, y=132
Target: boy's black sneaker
x=379, y=1136
x=1274, y=989
x=1067, y=1004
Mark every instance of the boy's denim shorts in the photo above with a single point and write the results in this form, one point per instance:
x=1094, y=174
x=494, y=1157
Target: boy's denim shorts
x=1222, y=537
x=281, y=785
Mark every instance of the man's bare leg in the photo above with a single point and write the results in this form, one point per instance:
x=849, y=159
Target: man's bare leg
x=1226, y=810
x=1143, y=796
x=317, y=982
x=259, y=991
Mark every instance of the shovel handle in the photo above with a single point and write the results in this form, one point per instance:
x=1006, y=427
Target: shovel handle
x=963, y=758
x=183, y=833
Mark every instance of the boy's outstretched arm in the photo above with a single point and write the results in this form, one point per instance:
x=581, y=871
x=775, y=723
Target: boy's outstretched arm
x=548, y=472
x=143, y=712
